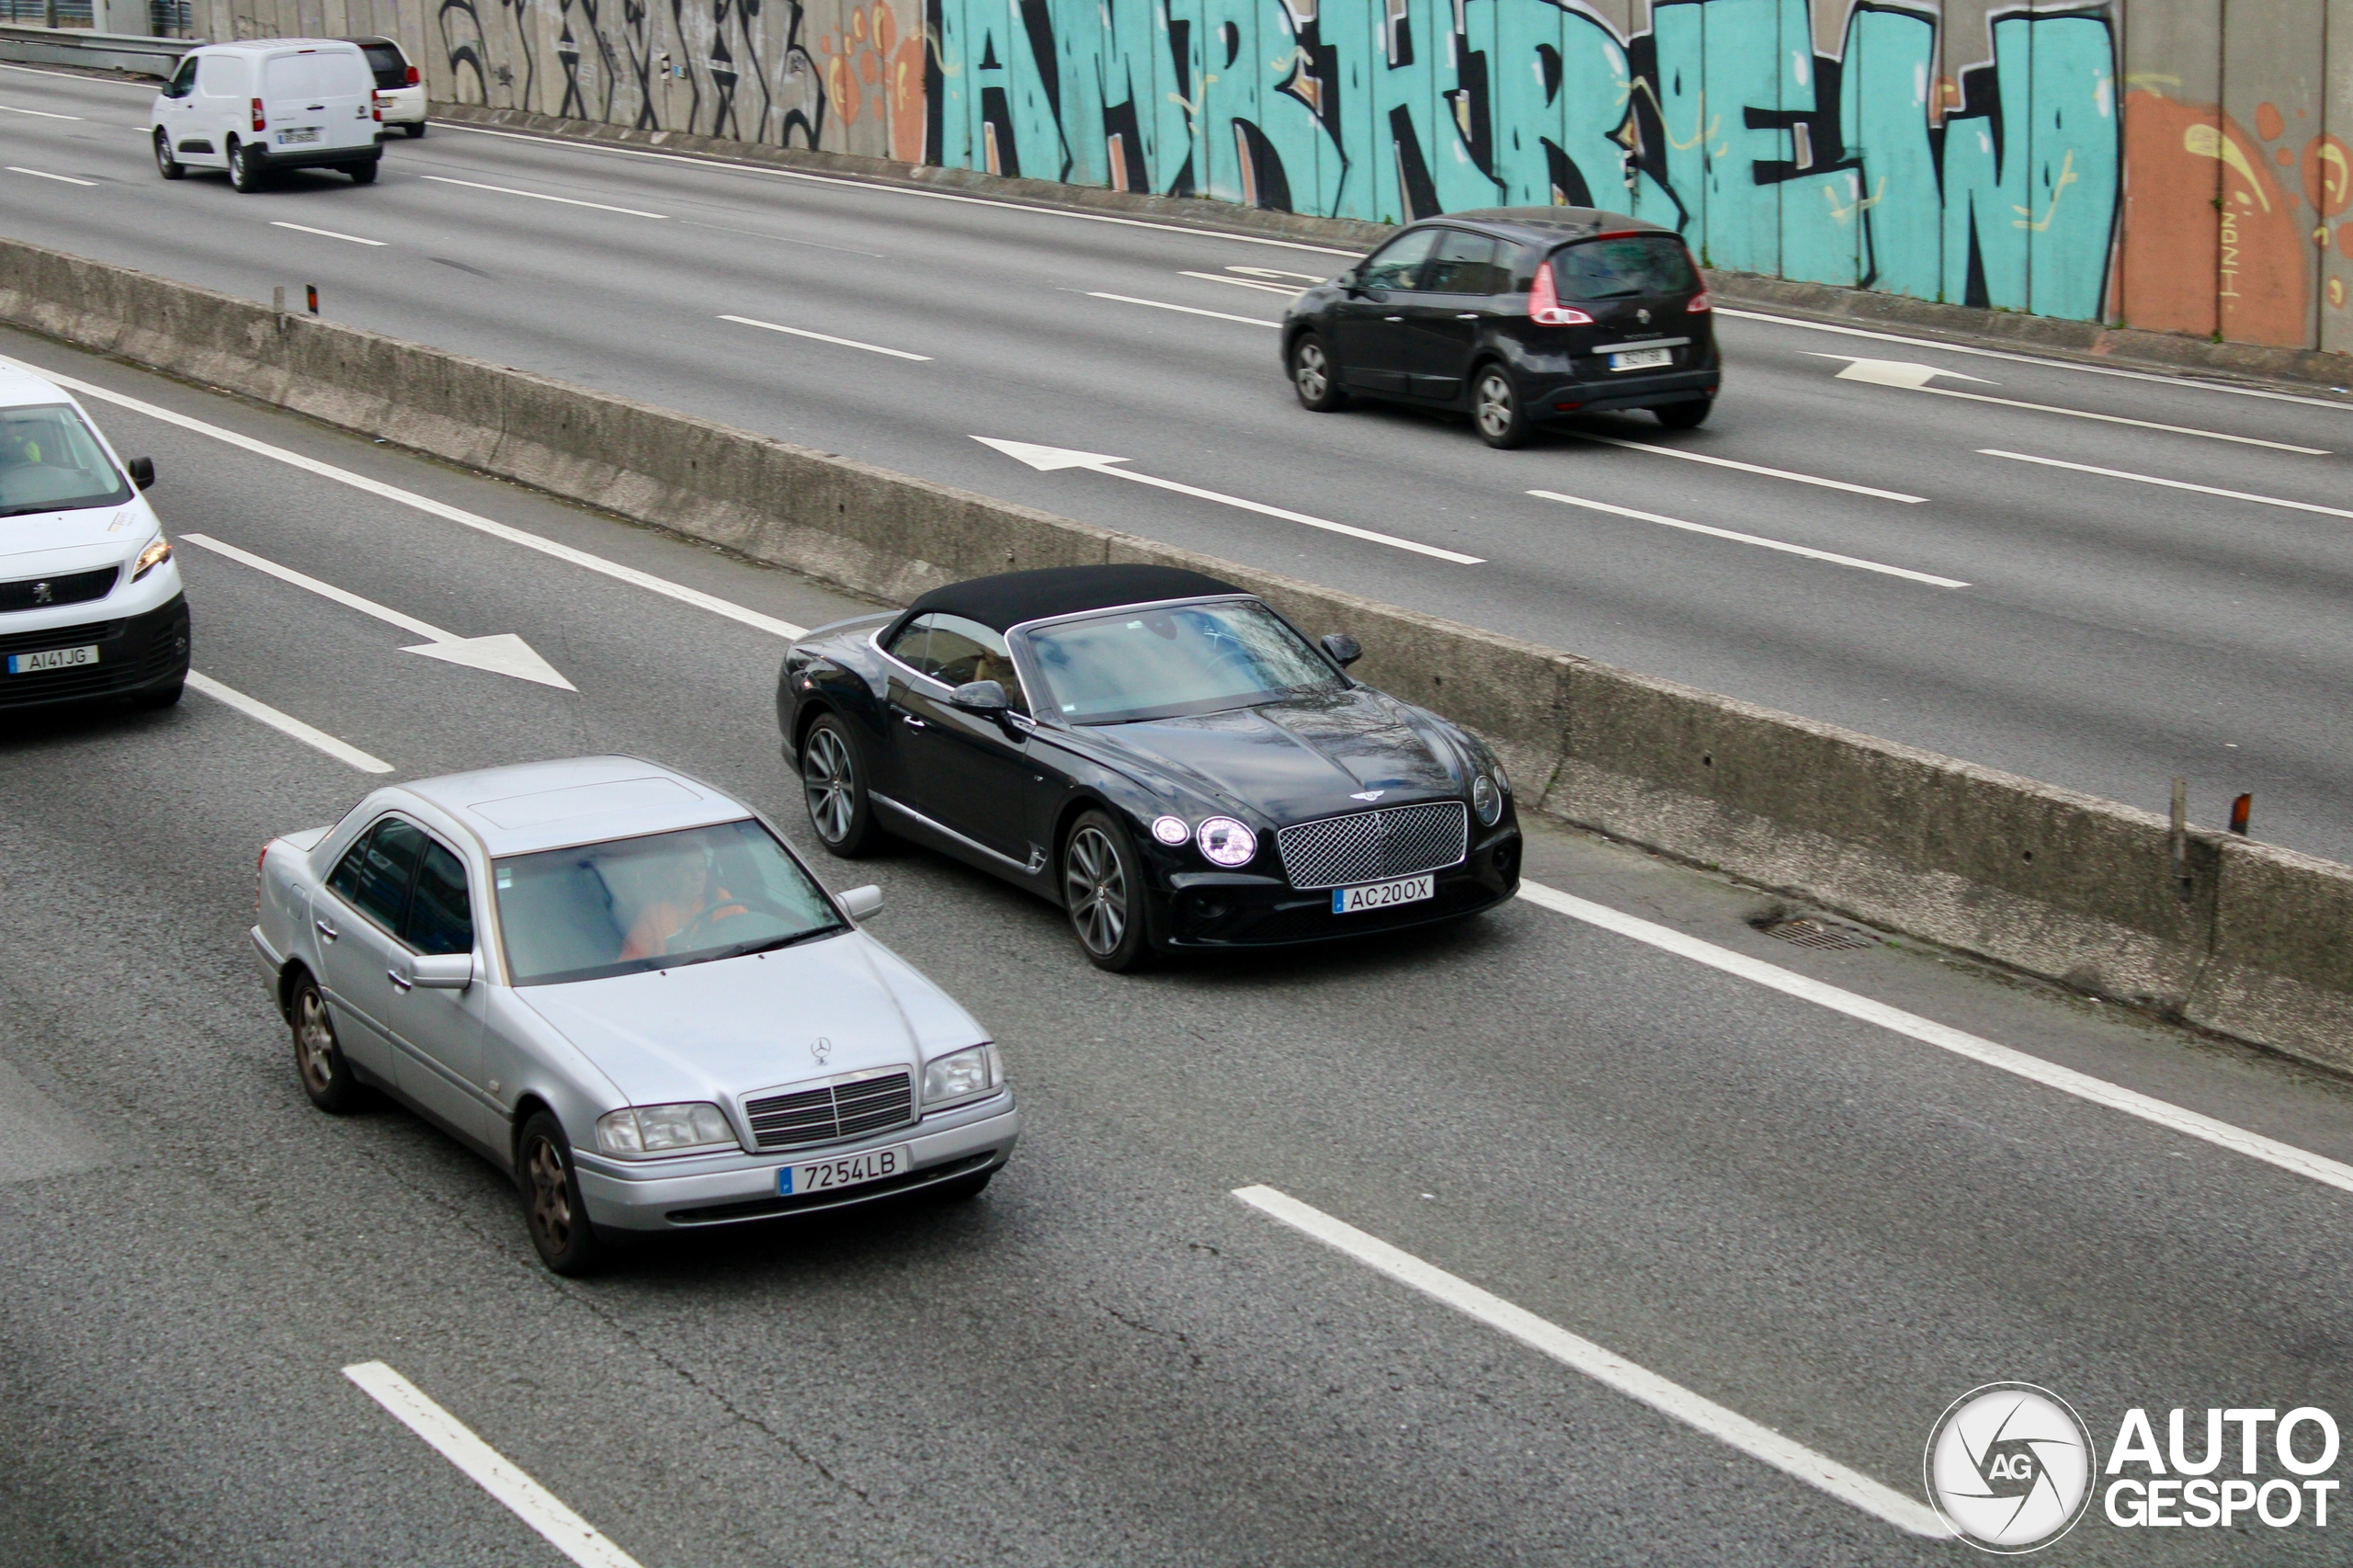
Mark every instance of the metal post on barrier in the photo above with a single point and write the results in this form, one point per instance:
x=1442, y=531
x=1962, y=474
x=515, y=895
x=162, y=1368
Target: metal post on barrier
x=278, y=298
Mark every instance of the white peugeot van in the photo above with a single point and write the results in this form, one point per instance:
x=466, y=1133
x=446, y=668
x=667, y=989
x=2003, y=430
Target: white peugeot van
x=269, y=104
x=90, y=600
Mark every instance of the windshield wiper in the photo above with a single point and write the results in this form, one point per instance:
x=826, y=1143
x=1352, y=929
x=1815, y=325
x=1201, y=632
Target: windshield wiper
x=770, y=944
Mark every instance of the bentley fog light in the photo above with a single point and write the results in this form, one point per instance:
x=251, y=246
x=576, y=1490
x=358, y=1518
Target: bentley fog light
x=1486, y=799
x=962, y=1076
x=1227, y=842
x=1170, y=831
x=648, y=1129
x=158, y=550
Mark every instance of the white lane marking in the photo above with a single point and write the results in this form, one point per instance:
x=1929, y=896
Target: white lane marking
x=1916, y=377
x=40, y=174
x=324, y=234
x=146, y=87
x=1930, y=578
x=2083, y=1086
x=1278, y=272
x=542, y=196
x=2169, y=483
x=1746, y=468
x=1671, y=1400
x=1048, y=460
x=286, y=723
x=1189, y=310
x=581, y=558
x=1290, y=291
x=827, y=337
x=39, y=113
x=897, y=189
x=502, y=652
x=2032, y=359
x=488, y=1469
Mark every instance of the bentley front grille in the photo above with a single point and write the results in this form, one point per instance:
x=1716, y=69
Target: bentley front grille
x=845, y=1107
x=1371, y=846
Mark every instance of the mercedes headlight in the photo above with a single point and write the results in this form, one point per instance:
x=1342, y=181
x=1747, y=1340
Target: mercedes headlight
x=1226, y=842
x=962, y=1076
x=1486, y=799
x=158, y=550
x=643, y=1131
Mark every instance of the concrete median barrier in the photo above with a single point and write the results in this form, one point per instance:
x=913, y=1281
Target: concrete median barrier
x=2252, y=942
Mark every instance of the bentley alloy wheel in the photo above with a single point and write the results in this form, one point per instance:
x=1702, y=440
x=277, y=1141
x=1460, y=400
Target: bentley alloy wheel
x=835, y=787
x=1103, y=890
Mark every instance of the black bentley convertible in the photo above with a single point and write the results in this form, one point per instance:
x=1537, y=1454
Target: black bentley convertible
x=1160, y=753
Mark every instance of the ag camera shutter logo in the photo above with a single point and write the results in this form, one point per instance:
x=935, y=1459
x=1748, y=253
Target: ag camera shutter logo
x=2009, y=1466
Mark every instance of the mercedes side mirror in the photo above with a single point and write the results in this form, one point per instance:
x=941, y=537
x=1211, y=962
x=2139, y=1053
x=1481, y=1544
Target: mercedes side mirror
x=1345, y=650
x=984, y=697
x=861, y=903
x=143, y=472
x=442, y=972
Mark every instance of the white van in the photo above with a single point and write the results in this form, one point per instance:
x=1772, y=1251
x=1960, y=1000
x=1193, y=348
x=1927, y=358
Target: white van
x=269, y=104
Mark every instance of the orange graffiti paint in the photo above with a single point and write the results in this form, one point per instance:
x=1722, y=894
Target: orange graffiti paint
x=2244, y=270
x=2268, y=123
x=2328, y=175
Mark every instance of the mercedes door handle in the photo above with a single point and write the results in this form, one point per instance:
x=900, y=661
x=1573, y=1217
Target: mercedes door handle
x=1468, y=316
x=1393, y=318
x=394, y=976
x=329, y=932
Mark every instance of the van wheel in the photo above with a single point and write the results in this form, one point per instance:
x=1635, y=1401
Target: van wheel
x=165, y=164
x=362, y=174
x=244, y=168
x=1495, y=409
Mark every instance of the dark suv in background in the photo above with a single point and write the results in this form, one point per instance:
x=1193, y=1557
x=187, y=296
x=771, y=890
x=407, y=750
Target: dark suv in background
x=1517, y=315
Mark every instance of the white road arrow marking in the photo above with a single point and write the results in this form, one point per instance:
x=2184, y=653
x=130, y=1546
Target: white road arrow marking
x=1909, y=377
x=1046, y=459
x=501, y=653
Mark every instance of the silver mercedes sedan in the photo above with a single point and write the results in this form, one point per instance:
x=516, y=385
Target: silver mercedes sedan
x=625, y=989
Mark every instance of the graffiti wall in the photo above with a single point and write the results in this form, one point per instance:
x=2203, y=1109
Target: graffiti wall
x=2161, y=163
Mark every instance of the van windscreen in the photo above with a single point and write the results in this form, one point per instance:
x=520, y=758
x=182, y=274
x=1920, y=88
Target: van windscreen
x=1625, y=266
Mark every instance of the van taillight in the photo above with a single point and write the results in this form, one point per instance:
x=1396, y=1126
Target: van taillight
x=413, y=77
x=1544, y=306
x=377, y=100
x=1699, y=301
x=259, y=123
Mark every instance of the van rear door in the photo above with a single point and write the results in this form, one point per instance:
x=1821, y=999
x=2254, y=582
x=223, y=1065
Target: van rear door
x=319, y=97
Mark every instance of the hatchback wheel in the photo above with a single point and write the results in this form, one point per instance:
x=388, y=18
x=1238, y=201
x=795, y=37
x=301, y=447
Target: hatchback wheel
x=832, y=781
x=1313, y=375
x=1497, y=410
x=165, y=164
x=416, y=129
x=1685, y=416
x=1103, y=890
x=318, y=1054
x=552, y=1211
x=244, y=168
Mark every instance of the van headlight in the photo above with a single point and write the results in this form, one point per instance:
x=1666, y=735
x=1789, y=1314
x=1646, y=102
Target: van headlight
x=1486, y=799
x=646, y=1132
x=158, y=550
x=962, y=1076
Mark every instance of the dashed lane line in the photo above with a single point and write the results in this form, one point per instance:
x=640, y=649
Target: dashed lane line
x=287, y=724
x=1714, y=461
x=323, y=233
x=542, y=196
x=1670, y=1399
x=827, y=337
x=43, y=174
x=2170, y=484
x=1811, y=554
x=1187, y=309
x=488, y=1469
x=35, y=113
x=581, y=558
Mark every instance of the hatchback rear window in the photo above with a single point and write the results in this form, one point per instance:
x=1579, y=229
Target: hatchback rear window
x=385, y=60
x=1624, y=267
x=315, y=75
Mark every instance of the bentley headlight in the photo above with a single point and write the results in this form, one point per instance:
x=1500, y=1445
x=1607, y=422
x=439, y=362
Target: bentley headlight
x=1502, y=781
x=642, y=1132
x=1486, y=799
x=1226, y=842
x=158, y=550
x=962, y=1076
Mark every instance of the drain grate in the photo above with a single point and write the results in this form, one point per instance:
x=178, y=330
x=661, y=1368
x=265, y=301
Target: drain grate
x=1818, y=934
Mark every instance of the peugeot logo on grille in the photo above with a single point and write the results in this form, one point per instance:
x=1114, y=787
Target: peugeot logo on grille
x=43, y=594
x=821, y=1048
x=1644, y=317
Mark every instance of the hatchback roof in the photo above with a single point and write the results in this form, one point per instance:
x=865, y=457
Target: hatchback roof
x=1551, y=225
x=579, y=800
x=1011, y=597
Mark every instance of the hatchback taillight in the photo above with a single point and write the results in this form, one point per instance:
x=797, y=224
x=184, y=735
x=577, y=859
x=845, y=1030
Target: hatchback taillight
x=260, y=123
x=1544, y=306
x=1699, y=301
x=413, y=77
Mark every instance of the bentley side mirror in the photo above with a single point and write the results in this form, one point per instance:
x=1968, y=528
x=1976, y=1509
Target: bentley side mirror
x=1345, y=650
x=442, y=972
x=861, y=903
x=143, y=472
x=983, y=696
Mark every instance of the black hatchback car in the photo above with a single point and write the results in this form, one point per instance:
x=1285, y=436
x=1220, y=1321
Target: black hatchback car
x=1517, y=315
x=1159, y=752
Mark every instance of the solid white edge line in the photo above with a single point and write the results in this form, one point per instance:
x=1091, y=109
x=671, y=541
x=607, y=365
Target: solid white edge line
x=2168, y=483
x=1748, y=467
x=43, y=174
x=2032, y=359
x=344, y=596
x=581, y=558
x=38, y=113
x=896, y=189
x=324, y=234
x=488, y=1469
x=1189, y=310
x=2071, y=413
x=1835, y=559
x=542, y=196
x=1671, y=1400
x=827, y=337
x=147, y=89
x=2083, y=1086
x=287, y=724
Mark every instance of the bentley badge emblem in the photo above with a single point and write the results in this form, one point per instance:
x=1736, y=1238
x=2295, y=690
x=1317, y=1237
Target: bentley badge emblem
x=821, y=1048
x=1367, y=794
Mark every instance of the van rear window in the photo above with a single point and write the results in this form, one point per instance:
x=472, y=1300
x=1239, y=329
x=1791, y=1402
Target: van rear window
x=323, y=74
x=1624, y=267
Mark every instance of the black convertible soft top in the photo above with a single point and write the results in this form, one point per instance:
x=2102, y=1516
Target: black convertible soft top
x=1011, y=597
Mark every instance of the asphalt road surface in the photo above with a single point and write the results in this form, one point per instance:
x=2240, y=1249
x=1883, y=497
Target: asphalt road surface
x=2106, y=631
x=1824, y=1226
